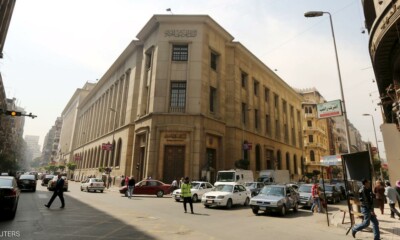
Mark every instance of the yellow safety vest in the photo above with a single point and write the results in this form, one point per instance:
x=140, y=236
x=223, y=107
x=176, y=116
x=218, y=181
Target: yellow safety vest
x=185, y=190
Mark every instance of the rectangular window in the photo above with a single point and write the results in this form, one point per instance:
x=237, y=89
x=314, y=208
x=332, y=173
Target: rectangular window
x=277, y=130
x=148, y=60
x=266, y=94
x=244, y=77
x=214, y=60
x=309, y=123
x=256, y=86
x=276, y=101
x=267, y=125
x=213, y=99
x=310, y=138
x=180, y=53
x=178, y=97
x=244, y=111
x=256, y=120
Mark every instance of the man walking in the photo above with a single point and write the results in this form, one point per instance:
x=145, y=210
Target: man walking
x=393, y=197
x=131, y=186
x=58, y=191
x=316, y=198
x=367, y=209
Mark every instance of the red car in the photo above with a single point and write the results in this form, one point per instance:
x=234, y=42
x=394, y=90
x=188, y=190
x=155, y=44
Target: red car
x=149, y=187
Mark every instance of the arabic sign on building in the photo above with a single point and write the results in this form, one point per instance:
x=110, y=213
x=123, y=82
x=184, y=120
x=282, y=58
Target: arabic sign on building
x=329, y=109
x=331, y=160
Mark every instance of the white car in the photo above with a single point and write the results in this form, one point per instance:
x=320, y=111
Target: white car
x=197, y=190
x=227, y=195
x=93, y=184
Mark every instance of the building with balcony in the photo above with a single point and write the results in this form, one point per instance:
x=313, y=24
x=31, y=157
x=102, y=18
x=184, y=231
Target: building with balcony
x=382, y=20
x=186, y=100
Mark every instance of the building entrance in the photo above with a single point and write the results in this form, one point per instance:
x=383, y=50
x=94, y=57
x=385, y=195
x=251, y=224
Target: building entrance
x=174, y=161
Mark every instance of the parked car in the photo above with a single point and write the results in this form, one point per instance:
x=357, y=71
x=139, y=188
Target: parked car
x=197, y=191
x=46, y=179
x=275, y=198
x=227, y=195
x=93, y=184
x=9, y=196
x=254, y=187
x=333, y=195
x=27, y=182
x=305, y=195
x=52, y=183
x=149, y=187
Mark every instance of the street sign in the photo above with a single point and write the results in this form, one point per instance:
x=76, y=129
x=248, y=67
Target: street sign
x=329, y=109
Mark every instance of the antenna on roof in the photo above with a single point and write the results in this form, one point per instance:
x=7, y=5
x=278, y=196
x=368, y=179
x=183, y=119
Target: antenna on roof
x=169, y=10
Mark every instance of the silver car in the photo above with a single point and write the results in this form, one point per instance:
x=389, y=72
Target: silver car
x=93, y=184
x=305, y=195
x=275, y=198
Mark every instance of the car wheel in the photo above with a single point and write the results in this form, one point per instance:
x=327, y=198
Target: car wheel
x=34, y=190
x=101, y=191
x=255, y=211
x=206, y=206
x=246, y=203
x=195, y=198
x=177, y=200
x=160, y=193
x=81, y=189
x=283, y=211
x=87, y=189
x=296, y=207
x=229, y=203
x=333, y=200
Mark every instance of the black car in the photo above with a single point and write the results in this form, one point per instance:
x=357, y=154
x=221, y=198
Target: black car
x=333, y=195
x=9, y=196
x=27, y=182
x=46, y=179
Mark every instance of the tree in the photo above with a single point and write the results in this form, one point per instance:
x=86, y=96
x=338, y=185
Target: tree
x=61, y=167
x=242, y=163
x=71, y=166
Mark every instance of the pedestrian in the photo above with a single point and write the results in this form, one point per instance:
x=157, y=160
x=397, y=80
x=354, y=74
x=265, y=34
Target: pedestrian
x=315, y=197
x=398, y=189
x=58, y=191
x=180, y=182
x=131, y=186
x=126, y=180
x=174, y=185
x=392, y=197
x=109, y=182
x=380, y=195
x=186, y=194
x=367, y=209
x=122, y=181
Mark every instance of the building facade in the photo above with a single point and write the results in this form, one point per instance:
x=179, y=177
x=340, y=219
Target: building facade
x=186, y=100
x=33, y=147
x=382, y=19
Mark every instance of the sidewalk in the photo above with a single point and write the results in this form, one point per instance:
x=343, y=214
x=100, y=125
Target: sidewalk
x=389, y=227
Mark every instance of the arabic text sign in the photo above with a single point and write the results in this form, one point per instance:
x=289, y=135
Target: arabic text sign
x=329, y=109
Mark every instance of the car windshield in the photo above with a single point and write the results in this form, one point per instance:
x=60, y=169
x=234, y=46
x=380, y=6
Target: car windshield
x=5, y=182
x=305, y=188
x=328, y=188
x=96, y=180
x=32, y=177
x=250, y=185
x=272, y=190
x=226, y=177
x=224, y=188
x=195, y=185
x=49, y=176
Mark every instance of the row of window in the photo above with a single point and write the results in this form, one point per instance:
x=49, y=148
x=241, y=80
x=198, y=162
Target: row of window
x=180, y=53
x=95, y=158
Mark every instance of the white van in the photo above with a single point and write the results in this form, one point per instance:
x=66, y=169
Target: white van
x=234, y=175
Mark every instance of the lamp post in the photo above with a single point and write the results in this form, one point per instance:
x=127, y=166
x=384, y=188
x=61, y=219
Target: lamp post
x=319, y=14
x=376, y=141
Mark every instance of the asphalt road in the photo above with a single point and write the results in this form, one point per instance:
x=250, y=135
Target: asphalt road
x=109, y=215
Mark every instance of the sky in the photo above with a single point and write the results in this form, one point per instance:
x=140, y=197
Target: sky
x=54, y=47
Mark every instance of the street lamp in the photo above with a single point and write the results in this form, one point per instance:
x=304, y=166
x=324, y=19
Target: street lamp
x=319, y=14
x=376, y=141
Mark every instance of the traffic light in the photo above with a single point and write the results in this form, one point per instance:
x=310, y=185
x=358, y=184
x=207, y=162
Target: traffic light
x=13, y=113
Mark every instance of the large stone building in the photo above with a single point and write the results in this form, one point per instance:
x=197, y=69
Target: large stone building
x=33, y=147
x=382, y=19
x=186, y=100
